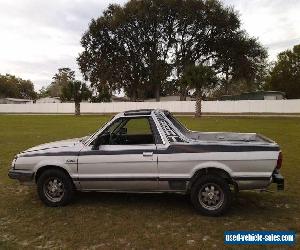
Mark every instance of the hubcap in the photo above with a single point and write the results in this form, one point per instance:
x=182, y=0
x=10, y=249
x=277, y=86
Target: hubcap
x=54, y=189
x=211, y=196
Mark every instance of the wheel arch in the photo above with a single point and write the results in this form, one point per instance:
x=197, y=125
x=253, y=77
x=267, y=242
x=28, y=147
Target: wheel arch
x=211, y=170
x=42, y=169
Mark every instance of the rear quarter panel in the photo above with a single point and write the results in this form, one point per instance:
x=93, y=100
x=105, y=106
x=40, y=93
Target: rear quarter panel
x=235, y=163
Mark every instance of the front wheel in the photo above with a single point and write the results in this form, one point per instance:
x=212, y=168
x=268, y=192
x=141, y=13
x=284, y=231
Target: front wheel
x=55, y=188
x=211, y=195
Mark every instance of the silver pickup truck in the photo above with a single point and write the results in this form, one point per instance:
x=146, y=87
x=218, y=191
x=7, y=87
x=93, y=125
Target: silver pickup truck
x=151, y=151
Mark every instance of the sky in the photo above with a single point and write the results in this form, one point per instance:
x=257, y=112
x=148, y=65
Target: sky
x=38, y=37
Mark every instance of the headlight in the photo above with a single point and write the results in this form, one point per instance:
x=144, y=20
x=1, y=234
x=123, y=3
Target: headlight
x=14, y=162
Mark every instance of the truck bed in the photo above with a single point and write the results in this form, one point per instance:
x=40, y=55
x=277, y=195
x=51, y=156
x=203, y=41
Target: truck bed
x=227, y=136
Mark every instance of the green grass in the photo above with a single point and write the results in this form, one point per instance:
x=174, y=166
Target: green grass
x=139, y=221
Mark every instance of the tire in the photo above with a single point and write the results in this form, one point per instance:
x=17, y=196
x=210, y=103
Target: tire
x=55, y=188
x=211, y=195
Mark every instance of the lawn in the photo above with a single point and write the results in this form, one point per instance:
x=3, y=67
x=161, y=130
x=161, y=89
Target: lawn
x=138, y=221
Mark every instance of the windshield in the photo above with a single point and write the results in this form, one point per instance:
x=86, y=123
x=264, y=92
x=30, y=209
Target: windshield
x=177, y=123
x=86, y=138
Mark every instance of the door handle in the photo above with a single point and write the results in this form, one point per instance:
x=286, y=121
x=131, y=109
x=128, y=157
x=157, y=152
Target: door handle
x=147, y=153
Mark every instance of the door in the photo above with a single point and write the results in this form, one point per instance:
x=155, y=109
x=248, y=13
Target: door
x=122, y=158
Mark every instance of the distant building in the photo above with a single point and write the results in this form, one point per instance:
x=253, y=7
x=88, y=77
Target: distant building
x=169, y=98
x=256, y=95
x=119, y=98
x=49, y=100
x=14, y=101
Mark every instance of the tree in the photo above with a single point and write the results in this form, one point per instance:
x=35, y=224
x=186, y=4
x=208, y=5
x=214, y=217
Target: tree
x=144, y=44
x=15, y=87
x=44, y=92
x=60, y=80
x=242, y=61
x=101, y=93
x=126, y=48
x=201, y=78
x=285, y=75
x=76, y=91
x=26, y=89
x=199, y=33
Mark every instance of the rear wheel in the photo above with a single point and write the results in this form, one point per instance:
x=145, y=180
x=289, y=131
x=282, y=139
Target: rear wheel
x=211, y=195
x=55, y=188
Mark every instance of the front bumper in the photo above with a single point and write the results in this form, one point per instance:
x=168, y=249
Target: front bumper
x=21, y=175
x=279, y=180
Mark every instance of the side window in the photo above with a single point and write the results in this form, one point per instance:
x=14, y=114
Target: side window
x=133, y=131
x=138, y=126
x=127, y=131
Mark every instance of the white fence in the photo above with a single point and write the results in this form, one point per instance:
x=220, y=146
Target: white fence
x=222, y=107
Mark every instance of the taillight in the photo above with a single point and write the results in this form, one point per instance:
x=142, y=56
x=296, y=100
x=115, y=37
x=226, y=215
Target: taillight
x=279, y=161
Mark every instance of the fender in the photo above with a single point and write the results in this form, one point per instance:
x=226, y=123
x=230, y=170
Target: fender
x=211, y=164
x=70, y=168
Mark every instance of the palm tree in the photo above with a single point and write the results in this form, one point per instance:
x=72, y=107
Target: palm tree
x=200, y=78
x=76, y=91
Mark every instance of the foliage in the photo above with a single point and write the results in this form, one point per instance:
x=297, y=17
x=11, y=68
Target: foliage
x=201, y=78
x=242, y=63
x=60, y=80
x=101, y=93
x=43, y=92
x=126, y=48
x=146, y=44
x=76, y=91
x=66, y=87
x=15, y=87
x=285, y=75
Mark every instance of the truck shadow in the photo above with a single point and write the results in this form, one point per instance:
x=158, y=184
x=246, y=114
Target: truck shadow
x=242, y=204
x=132, y=199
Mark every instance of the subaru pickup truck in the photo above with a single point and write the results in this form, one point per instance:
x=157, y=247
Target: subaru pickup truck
x=151, y=151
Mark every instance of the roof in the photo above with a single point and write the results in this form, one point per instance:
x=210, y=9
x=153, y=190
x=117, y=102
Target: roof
x=255, y=95
x=120, y=98
x=264, y=92
x=18, y=99
x=49, y=97
x=138, y=112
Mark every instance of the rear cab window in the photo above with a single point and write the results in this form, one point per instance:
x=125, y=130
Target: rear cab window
x=168, y=129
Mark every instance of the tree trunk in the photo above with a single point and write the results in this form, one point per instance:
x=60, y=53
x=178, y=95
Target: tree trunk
x=77, y=108
x=133, y=96
x=183, y=93
x=198, y=107
x=157, y=92
x=226, y=83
